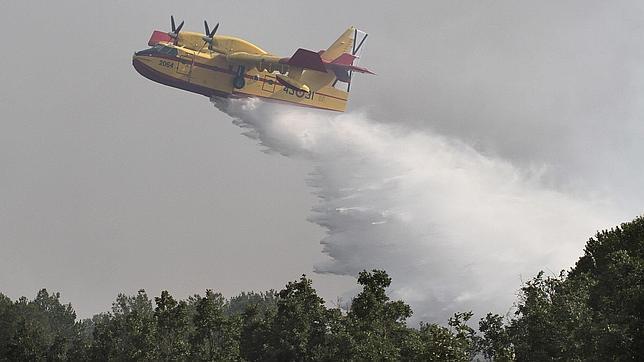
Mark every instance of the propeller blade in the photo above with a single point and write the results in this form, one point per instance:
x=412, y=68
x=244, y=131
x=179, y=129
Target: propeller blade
x=179, y=28
x=214, y=30
x=172, y=23
x=205, y=24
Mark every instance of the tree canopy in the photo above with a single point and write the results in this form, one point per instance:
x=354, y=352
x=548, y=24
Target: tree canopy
x=591, y=312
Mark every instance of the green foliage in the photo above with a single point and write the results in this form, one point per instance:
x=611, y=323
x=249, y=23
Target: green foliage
x=495, y=344
x=298, y=328
x=172, y=328
x=128, y=332
x=614, y=263
x=537, y=334
x=376, y=324
x=216, y=337
x=36, y=330
x=262, y=302
x=255, y=332
x=593, y=312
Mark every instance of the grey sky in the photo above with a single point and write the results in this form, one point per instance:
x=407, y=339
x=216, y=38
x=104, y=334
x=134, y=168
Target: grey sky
x=112, y=183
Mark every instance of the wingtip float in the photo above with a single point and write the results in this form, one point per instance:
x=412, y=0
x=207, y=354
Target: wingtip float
x=225, y=66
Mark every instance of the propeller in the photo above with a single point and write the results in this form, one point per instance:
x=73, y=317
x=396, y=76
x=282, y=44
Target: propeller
x=208, y=38
x=175, y=29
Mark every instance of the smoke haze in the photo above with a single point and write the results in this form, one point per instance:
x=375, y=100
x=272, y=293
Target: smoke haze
x=456, y=230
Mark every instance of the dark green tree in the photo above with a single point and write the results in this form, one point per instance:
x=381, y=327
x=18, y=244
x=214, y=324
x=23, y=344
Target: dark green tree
x=255, y=333
x=594, y=312
x=433, y=342
x=81, y=347
x=612, y=269
x=495, y=344
x=172, y=328
x=35, y=330
x=299, y=328
x=128, y=332
x=215, y=336
x=376, y=324
x=261, y=302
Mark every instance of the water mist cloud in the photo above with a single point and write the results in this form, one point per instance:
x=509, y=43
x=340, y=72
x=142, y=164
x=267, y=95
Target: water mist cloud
x=455, y=229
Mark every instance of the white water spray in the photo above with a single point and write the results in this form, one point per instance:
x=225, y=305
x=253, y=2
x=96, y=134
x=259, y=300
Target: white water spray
x=456, y=230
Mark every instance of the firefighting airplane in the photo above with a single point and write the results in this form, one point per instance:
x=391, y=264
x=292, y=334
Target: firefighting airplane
x=224, y=66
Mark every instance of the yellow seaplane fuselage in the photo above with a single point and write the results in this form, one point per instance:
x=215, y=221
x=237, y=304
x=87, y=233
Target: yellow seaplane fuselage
x=225, y=66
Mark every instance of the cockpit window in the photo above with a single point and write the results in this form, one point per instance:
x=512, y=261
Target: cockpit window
x=159, y=49
x=169, y=51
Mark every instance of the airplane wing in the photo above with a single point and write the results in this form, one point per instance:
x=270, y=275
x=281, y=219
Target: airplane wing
x=307, y=70
x=291, y=69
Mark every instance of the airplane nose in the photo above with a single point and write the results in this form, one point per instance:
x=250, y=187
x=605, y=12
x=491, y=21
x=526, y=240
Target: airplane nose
x=138, y=58
x=141, y=65
x=137, y=63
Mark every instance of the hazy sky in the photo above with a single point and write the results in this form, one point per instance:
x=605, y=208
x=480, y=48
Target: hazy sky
x=110, y=183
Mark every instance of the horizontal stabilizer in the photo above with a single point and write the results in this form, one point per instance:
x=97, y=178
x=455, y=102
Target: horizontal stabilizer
x=357, y=69
x=307, y=59
x=354, y=68
x=158, y=37
x=292, y=83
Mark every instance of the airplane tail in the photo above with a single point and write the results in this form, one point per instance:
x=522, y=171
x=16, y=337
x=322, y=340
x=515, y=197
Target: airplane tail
x=341, y=57
x=349, y=42
x=311, y=71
